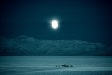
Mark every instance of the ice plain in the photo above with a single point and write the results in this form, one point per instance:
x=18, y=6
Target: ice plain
x=46, y=65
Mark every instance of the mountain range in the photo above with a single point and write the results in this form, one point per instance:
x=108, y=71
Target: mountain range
x=29, y=46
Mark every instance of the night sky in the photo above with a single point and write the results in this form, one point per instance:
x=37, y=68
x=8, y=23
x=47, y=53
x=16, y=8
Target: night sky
x=88, y=20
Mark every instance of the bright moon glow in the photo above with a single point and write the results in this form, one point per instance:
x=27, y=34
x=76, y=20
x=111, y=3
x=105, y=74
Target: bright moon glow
x=54, y=24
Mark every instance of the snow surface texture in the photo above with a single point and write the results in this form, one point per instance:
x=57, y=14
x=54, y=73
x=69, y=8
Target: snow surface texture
x=23, y=45
x=46, y=65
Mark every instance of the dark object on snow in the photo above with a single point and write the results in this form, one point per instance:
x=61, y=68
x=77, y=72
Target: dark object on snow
x=64, y=65
x=71, y=65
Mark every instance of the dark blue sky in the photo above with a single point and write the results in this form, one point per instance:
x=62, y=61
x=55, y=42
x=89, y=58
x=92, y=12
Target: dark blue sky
x=88, y=20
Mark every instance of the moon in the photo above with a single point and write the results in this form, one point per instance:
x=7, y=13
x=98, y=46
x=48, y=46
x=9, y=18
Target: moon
x=54, y=24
